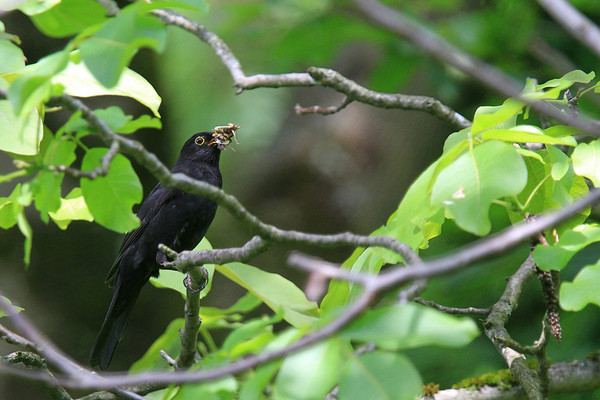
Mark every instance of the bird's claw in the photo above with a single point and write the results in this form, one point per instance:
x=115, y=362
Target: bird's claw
x=193, y=286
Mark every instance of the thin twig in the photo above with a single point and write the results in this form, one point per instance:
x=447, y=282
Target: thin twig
x=101, y=170
x=453, y=310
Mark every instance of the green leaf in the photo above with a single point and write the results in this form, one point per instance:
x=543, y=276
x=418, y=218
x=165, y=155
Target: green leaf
x=26, y=230
x=379, y=376
x=169, y=341
x=253, y=387
x=411, y=325
x=244, y=304
x=19, y=135
x=12, y=212
x=174, y=279
x=469, y=185
x=586, y=161
x=34, y=86
x=29, y=7
x=574, y=296
x=251, y=336
x=110, y=198
x=145, y=121
x=310, y=373
x=281, y=295
x=564, y=82
x=71, y=208
x=110, y=50
x=498, y=117
x=47, y=184
x=14, y=308
x=220, y=389
x=526, y=134
x=69, y=17
x=11, y=55
x=571, y=241
x=79, y=81
x=9, y=210
x=560, y=162
x=415, y=222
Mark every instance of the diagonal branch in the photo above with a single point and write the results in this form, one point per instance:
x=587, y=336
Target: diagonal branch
x=480, y=250
x=398, y=23
x=578, y=25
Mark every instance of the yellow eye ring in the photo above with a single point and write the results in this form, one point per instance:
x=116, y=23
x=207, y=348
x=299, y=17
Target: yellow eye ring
x=200, y=140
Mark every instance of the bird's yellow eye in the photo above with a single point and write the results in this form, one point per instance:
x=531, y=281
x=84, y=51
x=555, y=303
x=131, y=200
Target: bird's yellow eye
x=200, y=140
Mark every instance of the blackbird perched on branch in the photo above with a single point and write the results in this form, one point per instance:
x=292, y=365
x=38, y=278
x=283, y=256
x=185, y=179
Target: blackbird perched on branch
x=169, y=216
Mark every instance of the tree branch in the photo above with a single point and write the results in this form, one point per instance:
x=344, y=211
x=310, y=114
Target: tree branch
x=565, y=377
x=398, y=23
x=195, y=282
x=315, y=76
x=495, y=330
x=577, y=24
x=353, y=91
x=381, y=283
x=453, y=310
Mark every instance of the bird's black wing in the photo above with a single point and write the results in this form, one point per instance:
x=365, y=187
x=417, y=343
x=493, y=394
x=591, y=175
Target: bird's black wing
x=151, y=206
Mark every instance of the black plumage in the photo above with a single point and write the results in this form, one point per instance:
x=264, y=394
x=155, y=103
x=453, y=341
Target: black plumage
x=168, y=216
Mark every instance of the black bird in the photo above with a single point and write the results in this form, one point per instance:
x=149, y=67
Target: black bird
x=172, y=217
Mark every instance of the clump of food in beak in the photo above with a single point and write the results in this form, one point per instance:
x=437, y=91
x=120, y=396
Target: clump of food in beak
x=223, y=134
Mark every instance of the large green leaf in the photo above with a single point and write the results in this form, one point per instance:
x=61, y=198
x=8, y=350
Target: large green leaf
x=110, y=198
x=29, y=7
x=281, y=295
x=19, y=134
x=69, y=17
x=379, y=376
x=11, y=55
x=411, y=325
x=310, y=373
x=571, y=241
x=574, y=296
x=110, y=50
x=79, y=81
x=470, y=184
x=415, y=222
x=34, y=85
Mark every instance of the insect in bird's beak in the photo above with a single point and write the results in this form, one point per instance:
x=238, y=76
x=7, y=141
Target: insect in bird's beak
x=222, y=135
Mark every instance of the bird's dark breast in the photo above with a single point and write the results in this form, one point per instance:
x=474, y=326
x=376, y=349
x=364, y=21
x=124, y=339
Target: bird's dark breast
x=180, y=225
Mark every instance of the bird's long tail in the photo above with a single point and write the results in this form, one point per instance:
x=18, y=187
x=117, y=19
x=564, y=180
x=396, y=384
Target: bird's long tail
x=115, y=322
